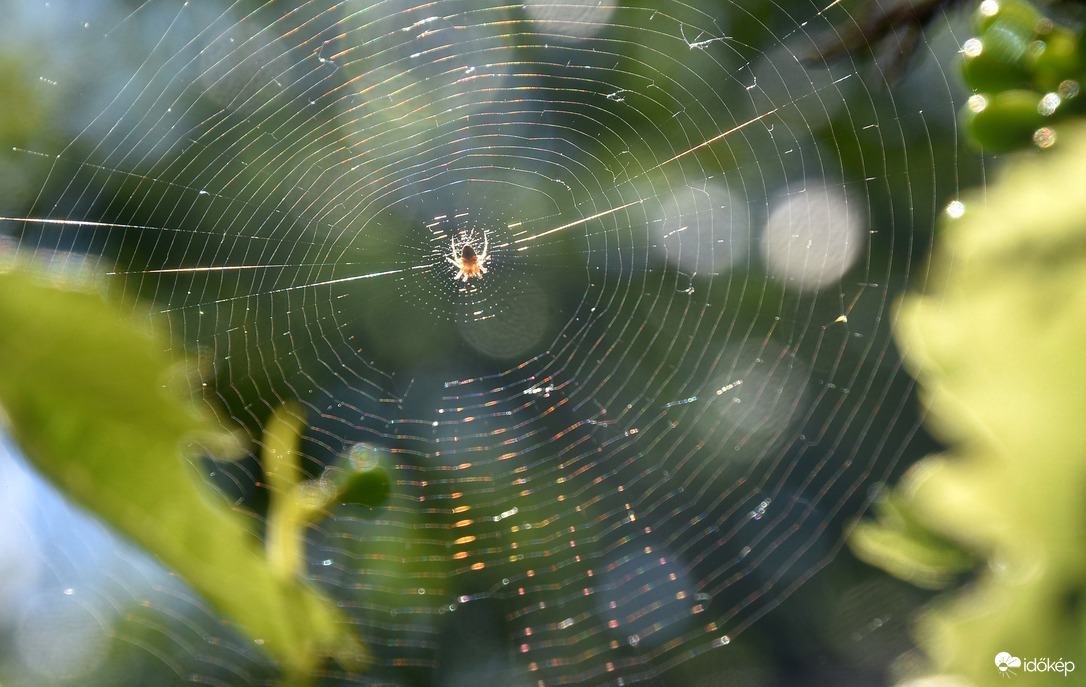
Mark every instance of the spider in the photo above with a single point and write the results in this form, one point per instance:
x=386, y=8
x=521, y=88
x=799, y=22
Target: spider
x=469, y=263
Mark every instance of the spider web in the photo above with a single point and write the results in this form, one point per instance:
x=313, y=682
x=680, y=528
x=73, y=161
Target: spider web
x=642, y=430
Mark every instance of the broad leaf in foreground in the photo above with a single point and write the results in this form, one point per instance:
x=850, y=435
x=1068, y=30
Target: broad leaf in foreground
x=997, y=345
x=95, y=404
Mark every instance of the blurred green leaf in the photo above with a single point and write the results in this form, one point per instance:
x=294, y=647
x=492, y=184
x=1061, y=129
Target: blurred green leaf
x=360, y=478
x=897, y=543
x=996, y=343
x=95, y=402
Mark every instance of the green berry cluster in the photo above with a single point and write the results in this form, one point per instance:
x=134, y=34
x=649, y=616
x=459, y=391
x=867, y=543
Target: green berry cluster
x=1025, y=72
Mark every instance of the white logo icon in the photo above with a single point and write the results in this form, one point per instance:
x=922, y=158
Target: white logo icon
x=1005, y=662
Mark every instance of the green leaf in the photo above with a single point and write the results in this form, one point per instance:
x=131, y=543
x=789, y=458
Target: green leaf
x=360, y=478
x=996, y=344
x=900, y=545
x=94, y=401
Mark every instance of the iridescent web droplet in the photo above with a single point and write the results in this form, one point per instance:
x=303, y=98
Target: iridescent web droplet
x=1044, y=137
x=1048, y=104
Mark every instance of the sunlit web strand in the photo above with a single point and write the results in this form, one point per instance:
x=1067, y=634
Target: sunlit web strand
x=623, y=207
x=693, y=149
x=228, y=268
x=149, y=227
x=308, y=285
x=177, y=270
x=689, y=151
